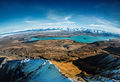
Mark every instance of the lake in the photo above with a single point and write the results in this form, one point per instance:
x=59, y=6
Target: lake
x=83, y=39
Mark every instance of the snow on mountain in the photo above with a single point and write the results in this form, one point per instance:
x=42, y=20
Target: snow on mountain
x=67, y=29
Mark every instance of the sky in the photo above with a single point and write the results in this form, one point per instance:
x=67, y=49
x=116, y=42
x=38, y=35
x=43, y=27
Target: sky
x=17, y=15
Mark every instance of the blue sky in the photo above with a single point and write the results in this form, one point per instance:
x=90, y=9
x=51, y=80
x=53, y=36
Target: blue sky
x=18, y=15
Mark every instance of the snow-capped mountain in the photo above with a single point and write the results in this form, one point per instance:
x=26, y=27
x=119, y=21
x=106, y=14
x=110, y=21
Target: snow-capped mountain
x=89, y=31
x=78, y=30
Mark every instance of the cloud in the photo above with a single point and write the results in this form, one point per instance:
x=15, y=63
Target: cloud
x=67, y=18
x=94, y=25
x=69, y=22
x=105, y=21
x=54, y=20
x=52, y=15
x=30, y=21
x=36, y=24
x=105, y=25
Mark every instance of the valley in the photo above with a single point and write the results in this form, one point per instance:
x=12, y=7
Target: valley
x=76, y=60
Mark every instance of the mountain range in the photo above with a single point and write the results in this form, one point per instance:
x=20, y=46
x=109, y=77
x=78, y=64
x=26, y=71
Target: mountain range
x=72, y=30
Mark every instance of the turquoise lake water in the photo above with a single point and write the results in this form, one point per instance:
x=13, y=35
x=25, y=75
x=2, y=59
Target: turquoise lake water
x=83, y=39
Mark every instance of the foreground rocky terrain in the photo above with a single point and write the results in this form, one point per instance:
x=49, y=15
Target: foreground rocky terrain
x=98, y=61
